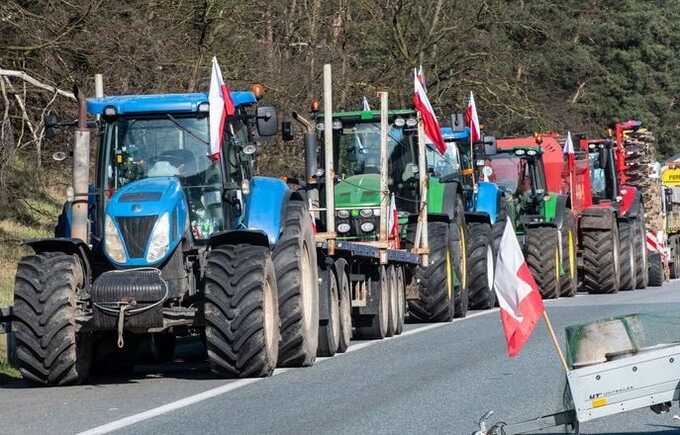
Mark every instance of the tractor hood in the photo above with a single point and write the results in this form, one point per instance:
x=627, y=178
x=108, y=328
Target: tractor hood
x=147, y=220
x=358, y=191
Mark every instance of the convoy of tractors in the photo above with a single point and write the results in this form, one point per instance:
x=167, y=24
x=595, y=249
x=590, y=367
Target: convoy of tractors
x=166, y=243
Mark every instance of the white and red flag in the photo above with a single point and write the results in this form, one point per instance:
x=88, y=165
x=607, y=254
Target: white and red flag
x=571, y=164
x=518, y=296
x=393, y=225
x=429, y=119
x=472, y=120
x=221, y=107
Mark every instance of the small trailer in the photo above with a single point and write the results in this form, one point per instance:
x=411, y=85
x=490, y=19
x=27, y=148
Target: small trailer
x=629, y=379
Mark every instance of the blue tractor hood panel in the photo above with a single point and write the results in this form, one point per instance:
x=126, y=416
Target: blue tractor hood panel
x=265, y=205
x=487, y=199
x=455, y=136
x=160, y=103
x=148, y=200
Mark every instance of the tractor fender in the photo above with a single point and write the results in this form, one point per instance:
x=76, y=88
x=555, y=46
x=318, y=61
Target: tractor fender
x=473, y=216
x=631, y=201
x=265, y=205
x=68, y=246
x=560, y=210
x=597, y=218
x=487, y=200
x=235, y=237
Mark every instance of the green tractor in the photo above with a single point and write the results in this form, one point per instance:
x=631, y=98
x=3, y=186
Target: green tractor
x=545, y=226
x=434, y=292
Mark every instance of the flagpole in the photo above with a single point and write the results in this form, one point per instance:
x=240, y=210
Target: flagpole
x=551, y=331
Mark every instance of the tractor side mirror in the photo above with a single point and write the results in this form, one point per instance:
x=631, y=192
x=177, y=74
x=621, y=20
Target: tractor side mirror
x=267, y=121
x=490, y=147
x=287, y=131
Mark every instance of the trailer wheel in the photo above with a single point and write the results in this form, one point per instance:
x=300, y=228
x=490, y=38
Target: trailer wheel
x=377, y=324
x=543, y=259
x=626, y=256
x=640, y=247
x=655, y=269
x=394, y=301
x=50, y=351
x=329, y=330
x=435, y=281
x=569, y=278
x=241, y=311
x=401, y=300
x=601, y=260
x=345, y=305
x=482, y=260
x=295, y=263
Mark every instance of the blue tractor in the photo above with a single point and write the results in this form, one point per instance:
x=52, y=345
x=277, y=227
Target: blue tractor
x=179, y=243
x=484, y=211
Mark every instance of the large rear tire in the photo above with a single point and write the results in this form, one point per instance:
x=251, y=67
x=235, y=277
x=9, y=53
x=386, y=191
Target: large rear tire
x=482, y=264
x=459, y=260
x=601, y=260
x=569, y=277
x=401, y=301
x=345, y=305
x=435, y=281
x=627, y=255
x=640, y=248
x=295, y=263
x=655, y=269
x=376, y=327
x=543, y=259
x=241, y=311
x=50, y=350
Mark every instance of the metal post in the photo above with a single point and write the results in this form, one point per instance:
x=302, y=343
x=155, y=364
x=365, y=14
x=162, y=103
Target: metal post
x=81, y=167
x=384, y=194
x=423, y=241
x=98, y=85
x=329, y=173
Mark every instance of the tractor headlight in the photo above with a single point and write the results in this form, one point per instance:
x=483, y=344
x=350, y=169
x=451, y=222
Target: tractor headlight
x=113, y=243
x=160, y=239
x=343, y=228
x=367, y=227
x=366, y=212
x=343, y=214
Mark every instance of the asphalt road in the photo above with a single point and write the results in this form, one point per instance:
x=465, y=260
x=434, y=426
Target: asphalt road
x=433, y=379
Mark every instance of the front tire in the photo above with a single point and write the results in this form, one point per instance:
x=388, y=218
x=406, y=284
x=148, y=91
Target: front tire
x=640, y=247
x=435, y=281
x=50, y=350
x=569, y=279
x=543, y=259
x=482, y=261
x=627, y=256
x=655, y=269
x=241, y=311
x=601, y=260
x=295, y=263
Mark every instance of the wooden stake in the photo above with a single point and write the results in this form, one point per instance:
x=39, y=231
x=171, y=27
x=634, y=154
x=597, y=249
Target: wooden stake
x=551, y=331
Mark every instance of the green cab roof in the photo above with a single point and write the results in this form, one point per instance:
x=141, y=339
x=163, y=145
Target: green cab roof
x=368, y=115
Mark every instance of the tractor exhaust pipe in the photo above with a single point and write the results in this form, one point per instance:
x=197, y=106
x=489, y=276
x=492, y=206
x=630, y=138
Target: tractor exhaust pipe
x=311, y=145
x=81, y=167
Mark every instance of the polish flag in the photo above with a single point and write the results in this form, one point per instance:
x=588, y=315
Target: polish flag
x=393, y=225
x=472, y=120
x=429, y=119
x=221, y=107
x=518, y=296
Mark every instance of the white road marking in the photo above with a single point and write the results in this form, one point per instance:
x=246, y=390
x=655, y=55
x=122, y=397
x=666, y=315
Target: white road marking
x=234, y=385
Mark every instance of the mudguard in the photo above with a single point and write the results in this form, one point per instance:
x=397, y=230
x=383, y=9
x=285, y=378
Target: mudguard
x=68, y=246
x=487, y=199
x=235, y=237
x=265, y=205
x=631, y=201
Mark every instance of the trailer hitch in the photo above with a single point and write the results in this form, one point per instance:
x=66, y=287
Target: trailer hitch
x=563, y=418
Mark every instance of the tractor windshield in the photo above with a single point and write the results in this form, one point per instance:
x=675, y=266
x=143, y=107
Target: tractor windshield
x=506, y=172
x=167, y=146
x=358, y=152
x=446, y=165
x=598, y=178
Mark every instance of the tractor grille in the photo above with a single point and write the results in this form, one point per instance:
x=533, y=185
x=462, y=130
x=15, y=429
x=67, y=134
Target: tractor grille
x=136, y=231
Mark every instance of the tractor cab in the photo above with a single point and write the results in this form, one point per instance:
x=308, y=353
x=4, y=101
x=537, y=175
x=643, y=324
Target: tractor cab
x=356, y=149
x=602, y=169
